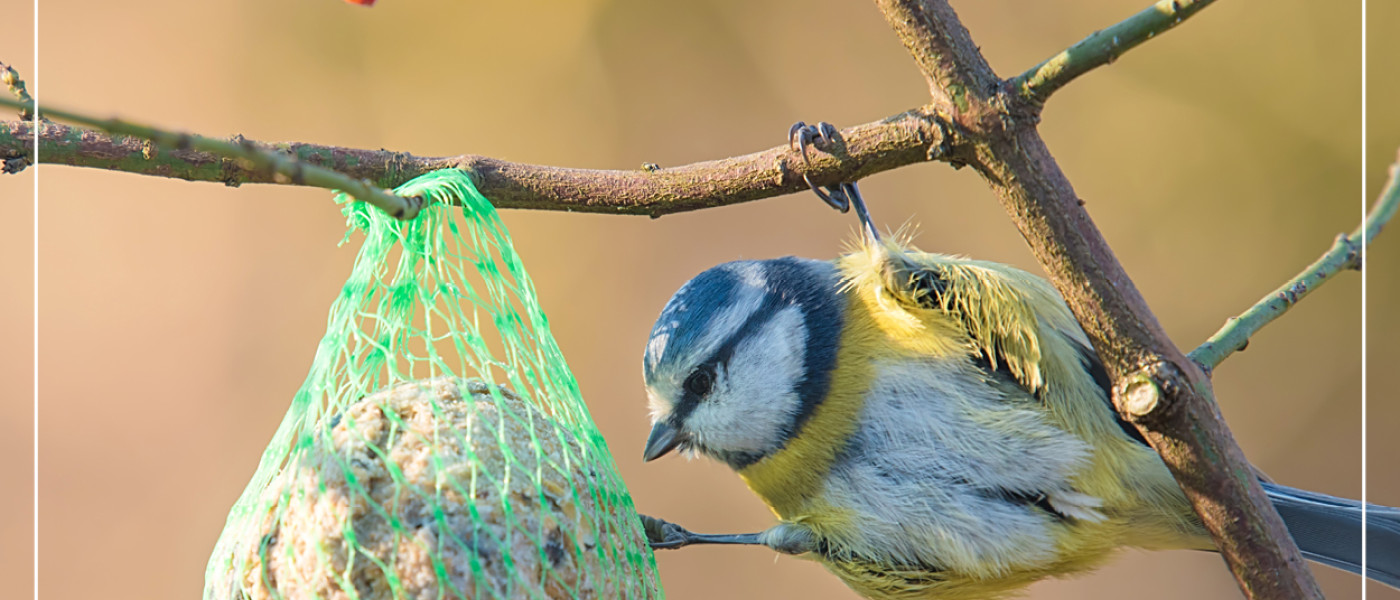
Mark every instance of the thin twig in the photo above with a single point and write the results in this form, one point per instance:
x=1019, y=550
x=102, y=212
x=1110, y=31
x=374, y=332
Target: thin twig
x=272, y=165
x=1102, y=47
x=1165, y=394
x=1344, y=254
x=911, y=137
x=11, y=79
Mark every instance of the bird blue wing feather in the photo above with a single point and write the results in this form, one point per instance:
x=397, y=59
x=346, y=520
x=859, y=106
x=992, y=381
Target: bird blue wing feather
x=1328, y=530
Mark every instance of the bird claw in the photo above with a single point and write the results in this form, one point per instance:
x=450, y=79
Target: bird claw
x=798, y=142
x=837, y=196
x=801, y=135
x=823, y=134
x=663, y=535
x=841, y=196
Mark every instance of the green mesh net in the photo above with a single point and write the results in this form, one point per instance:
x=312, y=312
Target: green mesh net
x=439, y=447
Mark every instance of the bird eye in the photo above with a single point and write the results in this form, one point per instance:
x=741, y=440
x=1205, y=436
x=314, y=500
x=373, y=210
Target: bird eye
x=700, y=381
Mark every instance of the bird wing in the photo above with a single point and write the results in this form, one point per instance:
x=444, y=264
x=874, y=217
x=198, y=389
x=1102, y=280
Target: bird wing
x=1001, y=310
x=1012, y=320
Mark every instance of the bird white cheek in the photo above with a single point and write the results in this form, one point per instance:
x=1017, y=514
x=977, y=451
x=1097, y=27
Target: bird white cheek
x=659, y=408
x=754, y=401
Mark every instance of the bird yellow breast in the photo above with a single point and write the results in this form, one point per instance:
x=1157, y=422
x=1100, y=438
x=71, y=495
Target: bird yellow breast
x=790, y=479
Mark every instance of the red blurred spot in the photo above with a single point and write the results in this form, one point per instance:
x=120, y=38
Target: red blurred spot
x=362, y=2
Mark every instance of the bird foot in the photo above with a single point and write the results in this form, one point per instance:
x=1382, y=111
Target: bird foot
x=662, y=535
x=822, y=135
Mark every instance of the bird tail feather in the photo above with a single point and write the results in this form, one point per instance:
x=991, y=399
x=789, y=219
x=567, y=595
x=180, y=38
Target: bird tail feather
x=1328, y=530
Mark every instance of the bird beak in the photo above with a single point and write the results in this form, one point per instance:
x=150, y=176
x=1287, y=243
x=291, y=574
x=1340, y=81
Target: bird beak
x=664, y=438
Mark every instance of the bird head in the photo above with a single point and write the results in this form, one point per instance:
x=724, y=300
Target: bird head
x=740, y=356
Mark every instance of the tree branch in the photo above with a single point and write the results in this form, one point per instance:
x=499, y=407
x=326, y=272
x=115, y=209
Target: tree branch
x=975, y=118
x=1345, y=254
x=10, y=165
x=1101, y=48
x=1166, y=395
x=951, y=63
x=273, y=166
x=910, y=137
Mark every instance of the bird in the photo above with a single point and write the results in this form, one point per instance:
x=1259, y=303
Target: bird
x=927, y=425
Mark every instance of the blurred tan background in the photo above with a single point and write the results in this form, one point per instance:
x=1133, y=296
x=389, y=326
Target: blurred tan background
x=17, y=333
x=178, y=318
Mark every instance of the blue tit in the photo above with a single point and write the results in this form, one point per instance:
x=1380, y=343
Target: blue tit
x=929, y=426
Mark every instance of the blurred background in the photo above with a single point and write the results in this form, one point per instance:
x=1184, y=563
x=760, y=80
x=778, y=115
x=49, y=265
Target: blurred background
x=178, y=318
x=17, y=331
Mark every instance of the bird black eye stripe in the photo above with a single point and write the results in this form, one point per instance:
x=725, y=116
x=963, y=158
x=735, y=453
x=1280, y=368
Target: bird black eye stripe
x=700, y=381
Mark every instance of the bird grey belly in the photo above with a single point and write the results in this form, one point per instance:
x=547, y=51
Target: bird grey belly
x=947, y=472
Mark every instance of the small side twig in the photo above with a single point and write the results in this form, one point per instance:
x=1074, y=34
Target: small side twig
x=1101, y=48
x=11, y=79
x=274, y=165
x=1344, y=254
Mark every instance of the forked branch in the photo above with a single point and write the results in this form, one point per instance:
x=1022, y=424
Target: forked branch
x=975, y=118
x=1165, y=394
